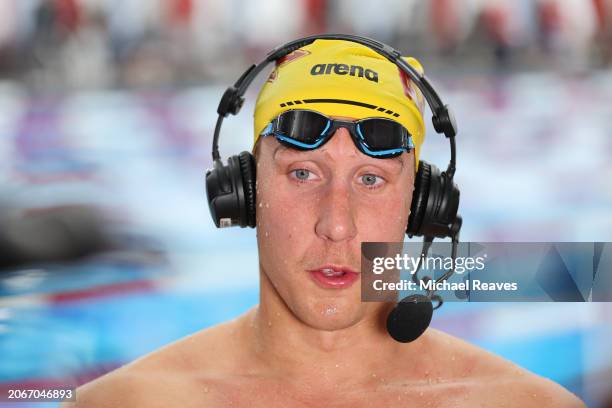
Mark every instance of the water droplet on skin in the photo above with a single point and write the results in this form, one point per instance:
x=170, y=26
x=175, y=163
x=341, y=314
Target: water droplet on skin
x=452, y=358
x=260, y=204
x=337, y=365
x=421, y=394
x=426, y=373
x=330, y=310
x=267, y=205
x=266, y=234
x=535, y=395
x=205, y=389
x=373, y=375
x=269, y=323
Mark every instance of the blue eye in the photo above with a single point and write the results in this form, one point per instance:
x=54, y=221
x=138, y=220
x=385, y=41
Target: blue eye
x=301, y=174
x=371, y=180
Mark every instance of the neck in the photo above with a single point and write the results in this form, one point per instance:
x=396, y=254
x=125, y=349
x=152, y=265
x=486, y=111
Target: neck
x=287, y=346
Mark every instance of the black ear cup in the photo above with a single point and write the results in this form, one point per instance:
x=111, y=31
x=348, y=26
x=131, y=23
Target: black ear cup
x=248, y=177
x=230, y=190
x=419, y=198
x=435, y=203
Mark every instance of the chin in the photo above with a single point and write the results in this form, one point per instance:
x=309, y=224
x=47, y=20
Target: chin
x=331, y=315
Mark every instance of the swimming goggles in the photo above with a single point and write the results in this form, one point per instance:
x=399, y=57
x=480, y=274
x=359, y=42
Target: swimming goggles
x=307, y=130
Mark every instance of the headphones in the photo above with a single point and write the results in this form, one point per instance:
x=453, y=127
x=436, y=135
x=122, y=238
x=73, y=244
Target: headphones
x=230, y=187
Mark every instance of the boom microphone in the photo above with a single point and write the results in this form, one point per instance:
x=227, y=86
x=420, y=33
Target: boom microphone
x=412, y=315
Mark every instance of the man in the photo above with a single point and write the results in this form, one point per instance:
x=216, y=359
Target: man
x=311, y=341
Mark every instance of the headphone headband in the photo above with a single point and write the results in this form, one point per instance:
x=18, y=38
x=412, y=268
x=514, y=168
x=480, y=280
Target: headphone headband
x=434, y=208
x=442, y=118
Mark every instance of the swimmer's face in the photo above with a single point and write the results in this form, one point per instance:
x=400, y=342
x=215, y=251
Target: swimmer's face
x=314, y=208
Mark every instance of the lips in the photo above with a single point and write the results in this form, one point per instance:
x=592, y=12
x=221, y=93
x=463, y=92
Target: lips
x=334, y=276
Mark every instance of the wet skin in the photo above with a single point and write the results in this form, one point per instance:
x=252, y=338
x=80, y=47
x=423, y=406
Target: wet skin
x=305, y=345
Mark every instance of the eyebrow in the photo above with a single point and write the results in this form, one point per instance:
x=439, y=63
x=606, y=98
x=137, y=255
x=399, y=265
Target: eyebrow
x=279, y=147
x=399, y=159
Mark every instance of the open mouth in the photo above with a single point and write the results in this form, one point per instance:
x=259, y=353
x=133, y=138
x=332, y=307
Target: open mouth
x=334, y=277
x=332, y=272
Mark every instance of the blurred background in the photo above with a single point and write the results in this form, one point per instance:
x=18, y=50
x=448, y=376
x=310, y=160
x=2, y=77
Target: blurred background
x=107, y=109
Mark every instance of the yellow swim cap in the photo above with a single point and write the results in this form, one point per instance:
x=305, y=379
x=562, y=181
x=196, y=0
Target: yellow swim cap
x=342, y=78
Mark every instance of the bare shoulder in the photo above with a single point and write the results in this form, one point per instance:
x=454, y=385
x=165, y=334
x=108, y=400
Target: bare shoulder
x=497, y=380
x=175, y=375
x=120, y=388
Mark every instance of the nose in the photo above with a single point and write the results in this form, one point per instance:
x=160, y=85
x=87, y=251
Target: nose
x=336, y=222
